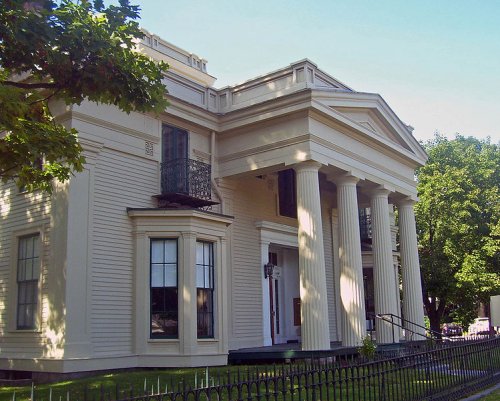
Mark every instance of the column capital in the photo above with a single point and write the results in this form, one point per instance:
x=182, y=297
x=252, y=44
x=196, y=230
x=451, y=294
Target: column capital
x=407, y=201
x=309, y=165
x=379, y=192
x=345, y=179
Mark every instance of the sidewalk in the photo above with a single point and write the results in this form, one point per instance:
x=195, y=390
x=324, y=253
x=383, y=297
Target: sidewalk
x=482, y=394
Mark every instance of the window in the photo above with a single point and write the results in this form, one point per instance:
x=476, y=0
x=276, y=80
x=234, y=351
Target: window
x=28, y=273
x=174, y=143
x=205, y=288
x=175, y=172
x=287, y=193
x=164, y=299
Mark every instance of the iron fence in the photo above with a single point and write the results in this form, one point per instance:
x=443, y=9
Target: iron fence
x=186, y=176
x=445, y=373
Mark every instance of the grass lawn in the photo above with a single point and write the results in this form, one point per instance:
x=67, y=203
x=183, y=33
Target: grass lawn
x=351, y=384
x=494, y=396
x=123, y=382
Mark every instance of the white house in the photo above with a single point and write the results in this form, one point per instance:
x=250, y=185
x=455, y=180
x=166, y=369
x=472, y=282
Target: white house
x=231, y=220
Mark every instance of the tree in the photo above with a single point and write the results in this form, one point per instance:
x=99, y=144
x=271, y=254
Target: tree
x=458, y=226
x=65, y=51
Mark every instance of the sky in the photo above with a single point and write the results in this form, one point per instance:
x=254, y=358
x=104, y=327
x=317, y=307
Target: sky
x=436, y=63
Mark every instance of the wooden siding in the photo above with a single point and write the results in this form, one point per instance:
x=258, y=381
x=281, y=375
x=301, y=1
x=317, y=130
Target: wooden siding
x=121, y=180
x=254, y=199
x=29, y=212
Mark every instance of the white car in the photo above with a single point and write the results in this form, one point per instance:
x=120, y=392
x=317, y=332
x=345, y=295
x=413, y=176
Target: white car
x=481, y=325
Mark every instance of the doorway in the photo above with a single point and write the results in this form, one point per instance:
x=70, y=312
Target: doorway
x=283, y=287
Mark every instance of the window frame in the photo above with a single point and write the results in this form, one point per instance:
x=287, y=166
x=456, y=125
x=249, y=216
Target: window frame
x=210, y=334
x=153, y=336
x=12, y=298
x=29, y=284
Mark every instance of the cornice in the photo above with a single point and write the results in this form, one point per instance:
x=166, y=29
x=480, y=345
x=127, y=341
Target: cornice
x=109, y=125
x=272, y=108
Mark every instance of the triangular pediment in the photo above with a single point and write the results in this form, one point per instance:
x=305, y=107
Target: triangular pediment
x=371, y=119
x=370, y=116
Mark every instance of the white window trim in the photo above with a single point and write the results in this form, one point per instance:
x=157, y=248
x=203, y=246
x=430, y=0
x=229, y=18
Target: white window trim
x=13, y=287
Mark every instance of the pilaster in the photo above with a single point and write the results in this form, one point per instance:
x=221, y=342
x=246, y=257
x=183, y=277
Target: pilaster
x=187, y=294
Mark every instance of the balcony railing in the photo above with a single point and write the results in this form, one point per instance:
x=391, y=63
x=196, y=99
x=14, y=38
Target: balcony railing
x=185, y=182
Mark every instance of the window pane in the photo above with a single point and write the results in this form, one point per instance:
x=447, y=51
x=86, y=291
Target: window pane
x=164, y=317
x=21, y=316
x=29, y=247
x=157, y=300
x=157, y=251
x=170, y=251
x=199, y=276
x=36, y=251
x=22, y=248
x=205, y=313
x=208, y=282
x=170, y=276
x=21, y=296
x=164, y=304
x=157, y=275
x=21, y=270
x=206, y=253
x=29, y=269
x=199, y=253
x=36, y=268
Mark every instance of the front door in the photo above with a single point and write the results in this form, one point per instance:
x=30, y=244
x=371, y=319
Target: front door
x=275, y=298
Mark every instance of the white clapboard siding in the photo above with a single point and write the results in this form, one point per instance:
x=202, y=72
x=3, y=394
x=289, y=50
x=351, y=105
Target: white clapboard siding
x=20, y=211
x=328, y=249
x=121, y=180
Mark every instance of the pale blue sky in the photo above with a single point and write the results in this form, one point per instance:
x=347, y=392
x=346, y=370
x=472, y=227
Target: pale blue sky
x=437, y=63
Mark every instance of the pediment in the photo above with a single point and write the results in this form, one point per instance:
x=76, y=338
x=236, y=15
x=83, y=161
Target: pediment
x=371, y=119
x=369, y=115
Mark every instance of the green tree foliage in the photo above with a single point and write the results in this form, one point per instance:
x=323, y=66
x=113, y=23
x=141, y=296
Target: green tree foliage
x=458, y=226
x=66, y=51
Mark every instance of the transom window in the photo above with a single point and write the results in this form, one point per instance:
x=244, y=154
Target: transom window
x=28, y=273
x=205, y=288
x=164, y=294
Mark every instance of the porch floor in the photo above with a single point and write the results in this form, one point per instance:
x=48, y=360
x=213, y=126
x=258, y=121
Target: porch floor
x=283, y=352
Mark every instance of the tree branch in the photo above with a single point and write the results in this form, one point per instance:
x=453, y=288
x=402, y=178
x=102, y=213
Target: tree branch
x=36, y=85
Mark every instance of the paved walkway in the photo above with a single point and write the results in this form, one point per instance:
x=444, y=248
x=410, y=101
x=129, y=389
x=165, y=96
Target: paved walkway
x=482, y=394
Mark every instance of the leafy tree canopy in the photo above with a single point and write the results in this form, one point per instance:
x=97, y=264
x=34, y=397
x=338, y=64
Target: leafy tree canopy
x=458, y=226
x=69, y=51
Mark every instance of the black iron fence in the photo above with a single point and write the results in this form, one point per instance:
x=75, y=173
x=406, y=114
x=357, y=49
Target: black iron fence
x=445, y=373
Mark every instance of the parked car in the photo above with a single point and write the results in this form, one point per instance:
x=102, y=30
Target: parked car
x=451, y=329
x=481, y=325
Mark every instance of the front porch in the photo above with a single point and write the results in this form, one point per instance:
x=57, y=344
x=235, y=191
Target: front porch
x=286, y=352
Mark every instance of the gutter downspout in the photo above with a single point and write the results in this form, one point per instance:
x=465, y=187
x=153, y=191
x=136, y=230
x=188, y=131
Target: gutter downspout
x=212, y=178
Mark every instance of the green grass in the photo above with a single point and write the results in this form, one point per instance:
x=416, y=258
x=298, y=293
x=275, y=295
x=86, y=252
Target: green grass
x=494, y=396
x=394, y=384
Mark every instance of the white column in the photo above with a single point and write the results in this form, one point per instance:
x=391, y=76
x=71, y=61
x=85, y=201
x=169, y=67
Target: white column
x=314, y=304
x=383, y=270
x=413, y=309
x=266, y=303
x=351, y=271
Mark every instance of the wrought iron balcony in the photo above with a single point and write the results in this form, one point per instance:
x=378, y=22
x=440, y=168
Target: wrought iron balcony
x=185, y=183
